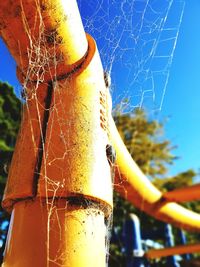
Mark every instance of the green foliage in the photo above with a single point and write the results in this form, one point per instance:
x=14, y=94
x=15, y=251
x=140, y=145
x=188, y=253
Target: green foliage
x=10, y=110
x=10, y=107
x=182, y=179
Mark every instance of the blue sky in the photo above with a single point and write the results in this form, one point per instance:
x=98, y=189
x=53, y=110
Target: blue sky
x=115, y=27
x=182, y=98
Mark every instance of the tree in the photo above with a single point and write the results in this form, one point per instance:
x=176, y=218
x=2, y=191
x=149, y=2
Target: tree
x=144, y=140
x=10, y=111
x=182, y=179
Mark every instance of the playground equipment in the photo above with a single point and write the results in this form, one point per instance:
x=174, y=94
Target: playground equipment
x=171, y=261
x=136, y=251
x=178, y=250
x=133, y=185
x=59, y=186
x=133, y=244
x=183, y=194
x=61, y=168
x=183, y=240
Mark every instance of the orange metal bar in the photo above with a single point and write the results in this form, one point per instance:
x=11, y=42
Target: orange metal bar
x=178, y=250
x=187, y=194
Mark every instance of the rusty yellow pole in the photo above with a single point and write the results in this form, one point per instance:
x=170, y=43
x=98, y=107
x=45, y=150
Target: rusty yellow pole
x=59, y=188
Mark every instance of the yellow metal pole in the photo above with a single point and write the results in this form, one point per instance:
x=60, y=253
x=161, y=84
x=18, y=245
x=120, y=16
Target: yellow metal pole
x=38, y=32
x=71, y=235
x=178, y=250
x=59, y=186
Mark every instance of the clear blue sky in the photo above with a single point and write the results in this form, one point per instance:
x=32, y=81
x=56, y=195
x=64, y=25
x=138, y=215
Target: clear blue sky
x=114, y=26
x=182, y=99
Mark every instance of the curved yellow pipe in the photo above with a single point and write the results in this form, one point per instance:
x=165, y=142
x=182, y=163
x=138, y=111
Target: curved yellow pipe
x=133, y=185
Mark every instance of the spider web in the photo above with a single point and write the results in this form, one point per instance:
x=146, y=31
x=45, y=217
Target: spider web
x=137, y=40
